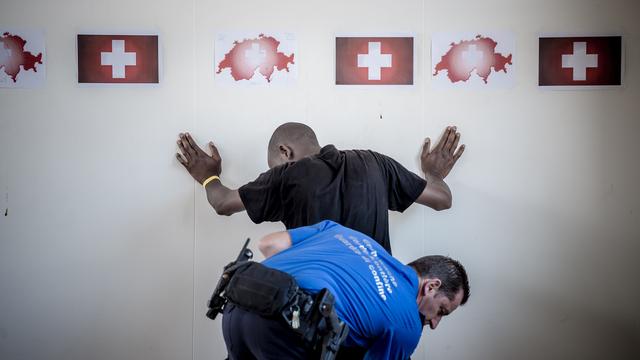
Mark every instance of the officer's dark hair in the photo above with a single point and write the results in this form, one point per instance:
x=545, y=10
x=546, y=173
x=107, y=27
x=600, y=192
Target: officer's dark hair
x=450, y=272
x=292, y=133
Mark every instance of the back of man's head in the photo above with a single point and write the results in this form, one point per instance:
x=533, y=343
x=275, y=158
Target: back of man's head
x=297, y=137
x=450, y=272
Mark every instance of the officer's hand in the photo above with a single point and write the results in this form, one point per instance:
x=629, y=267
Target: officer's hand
x=198, y=163
x=439, y=161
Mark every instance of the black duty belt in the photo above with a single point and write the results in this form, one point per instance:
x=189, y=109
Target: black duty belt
x=275, y=294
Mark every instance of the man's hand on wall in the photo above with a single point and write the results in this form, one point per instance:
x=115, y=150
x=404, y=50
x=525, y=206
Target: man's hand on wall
x=439, y=161
x=197, y=162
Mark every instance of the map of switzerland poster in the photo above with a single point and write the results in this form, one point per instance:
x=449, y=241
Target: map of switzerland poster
x=22, y=58
x=474, y=60
x=255, y=58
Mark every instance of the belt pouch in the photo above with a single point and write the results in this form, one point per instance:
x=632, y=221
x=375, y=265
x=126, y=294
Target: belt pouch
x=260, y=289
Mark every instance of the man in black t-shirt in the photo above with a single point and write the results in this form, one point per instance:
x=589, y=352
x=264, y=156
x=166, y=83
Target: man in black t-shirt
x=307, y=183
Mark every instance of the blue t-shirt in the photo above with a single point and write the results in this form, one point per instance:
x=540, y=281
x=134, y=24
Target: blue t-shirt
x=375, y=293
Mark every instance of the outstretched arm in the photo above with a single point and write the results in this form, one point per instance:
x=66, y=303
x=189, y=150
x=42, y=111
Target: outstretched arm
x=274, y=243
x=436, y=165
x=202, y=166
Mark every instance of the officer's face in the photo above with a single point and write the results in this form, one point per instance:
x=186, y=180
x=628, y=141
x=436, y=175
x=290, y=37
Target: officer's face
x=435, y=305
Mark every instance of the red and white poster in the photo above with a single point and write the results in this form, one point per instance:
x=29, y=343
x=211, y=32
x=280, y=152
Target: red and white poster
x=22, y=58
x=374, y=60
x=573, y=62
x=117, y=59
x=478, y=60
x=246, y=58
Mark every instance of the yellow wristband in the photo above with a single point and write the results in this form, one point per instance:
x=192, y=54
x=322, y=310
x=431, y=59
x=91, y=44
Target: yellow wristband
x=209, y=179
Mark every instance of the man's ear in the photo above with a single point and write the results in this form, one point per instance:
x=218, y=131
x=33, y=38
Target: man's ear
x=434, y=284
x=286, y=152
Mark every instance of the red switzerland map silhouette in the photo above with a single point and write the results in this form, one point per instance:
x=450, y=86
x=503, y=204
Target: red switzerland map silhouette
x=460, y=69
x=12, y=55
x=265, y=56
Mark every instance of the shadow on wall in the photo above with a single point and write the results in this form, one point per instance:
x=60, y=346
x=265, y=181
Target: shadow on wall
x=546, y=286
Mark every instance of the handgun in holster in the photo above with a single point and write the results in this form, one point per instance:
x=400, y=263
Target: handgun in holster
x=275, y=294
x=329, y=330
x=217, y=302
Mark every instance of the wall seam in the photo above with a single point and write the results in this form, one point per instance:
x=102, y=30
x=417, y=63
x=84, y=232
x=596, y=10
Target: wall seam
x=425, y=56
x=194, y=108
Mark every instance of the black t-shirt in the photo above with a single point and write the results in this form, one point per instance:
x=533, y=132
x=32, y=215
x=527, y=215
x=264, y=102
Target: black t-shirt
x=355, y=188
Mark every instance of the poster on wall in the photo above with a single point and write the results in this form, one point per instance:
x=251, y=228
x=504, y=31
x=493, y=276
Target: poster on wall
x=22, y=58
x=474, y=60
x=118, y=59
x=255, y=58
x=584, y=62
x=375, y=60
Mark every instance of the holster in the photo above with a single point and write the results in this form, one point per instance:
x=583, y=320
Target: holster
x=260, y=289
x=275, y=294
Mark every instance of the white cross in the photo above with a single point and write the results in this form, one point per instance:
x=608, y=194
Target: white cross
x=117, y=59
x=255, y=55
x=580, y=61
x=472, y=56
x=375, y=60
x=4, y=52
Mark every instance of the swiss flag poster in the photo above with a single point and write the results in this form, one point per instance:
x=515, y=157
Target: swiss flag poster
x=118, y=59
x=374, y=60
x=580, y=61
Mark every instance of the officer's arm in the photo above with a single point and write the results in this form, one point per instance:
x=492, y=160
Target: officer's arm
x=394, y=344
x=274, y=243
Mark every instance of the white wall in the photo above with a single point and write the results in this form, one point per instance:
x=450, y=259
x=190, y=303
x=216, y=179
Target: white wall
x=110, y=251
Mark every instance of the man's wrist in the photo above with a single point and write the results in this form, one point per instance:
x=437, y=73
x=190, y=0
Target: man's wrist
x=430, y=176
x=210, y=179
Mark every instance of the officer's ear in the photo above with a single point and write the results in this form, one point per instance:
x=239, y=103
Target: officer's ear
x=286, y=152
x=432, y=284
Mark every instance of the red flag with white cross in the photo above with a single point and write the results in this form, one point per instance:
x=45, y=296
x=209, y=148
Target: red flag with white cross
x=118, y=59
x=374, y=60
x=580, y=61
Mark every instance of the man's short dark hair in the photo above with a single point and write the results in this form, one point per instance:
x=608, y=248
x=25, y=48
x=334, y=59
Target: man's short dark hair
x=450, y=272
x=292, y=133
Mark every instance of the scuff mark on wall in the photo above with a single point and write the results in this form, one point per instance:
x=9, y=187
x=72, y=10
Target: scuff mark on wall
x=6, y=201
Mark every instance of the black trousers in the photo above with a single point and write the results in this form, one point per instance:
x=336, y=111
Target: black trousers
x=250, y=336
